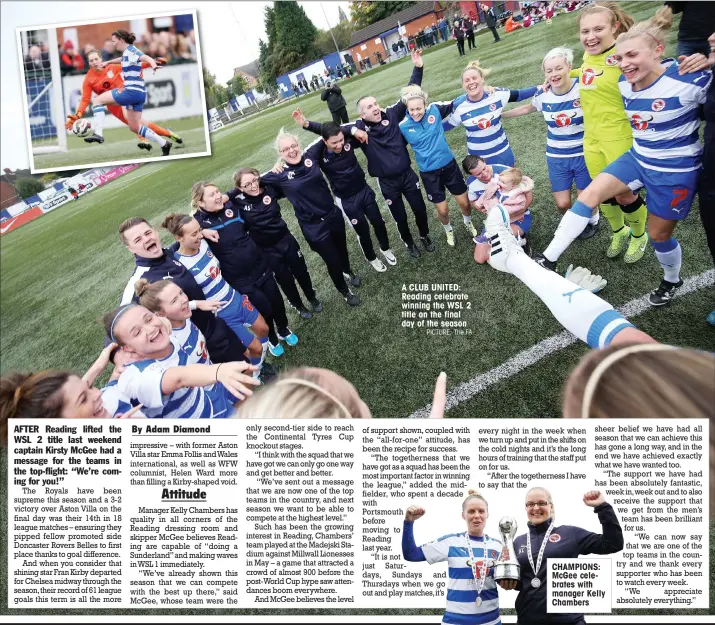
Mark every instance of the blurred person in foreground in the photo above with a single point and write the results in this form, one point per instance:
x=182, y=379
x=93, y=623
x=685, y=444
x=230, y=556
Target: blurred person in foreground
x=312, y=393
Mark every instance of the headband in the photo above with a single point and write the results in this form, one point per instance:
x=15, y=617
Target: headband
x=120, y=312
x=598, y=372
x=318, y=388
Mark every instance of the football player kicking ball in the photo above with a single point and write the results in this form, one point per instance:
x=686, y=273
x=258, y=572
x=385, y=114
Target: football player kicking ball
x=100, y=79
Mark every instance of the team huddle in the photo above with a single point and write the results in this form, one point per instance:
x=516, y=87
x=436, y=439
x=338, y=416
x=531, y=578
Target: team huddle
x=623, y=121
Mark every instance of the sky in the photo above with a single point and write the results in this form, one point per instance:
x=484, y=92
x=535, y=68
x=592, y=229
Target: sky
x=229, y=34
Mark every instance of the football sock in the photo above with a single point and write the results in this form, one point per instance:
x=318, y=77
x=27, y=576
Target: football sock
x=467, y=219
x=159, y=130
x=636, y=214
x=670, y=256
x=147, y=133
x=614, y=215
x=98, y=121
x=594, y=220
x=447, y=227
x=584, y=314
x=571, y=225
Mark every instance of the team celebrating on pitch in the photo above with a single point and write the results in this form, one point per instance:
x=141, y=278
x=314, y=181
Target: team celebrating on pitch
x=623, y=121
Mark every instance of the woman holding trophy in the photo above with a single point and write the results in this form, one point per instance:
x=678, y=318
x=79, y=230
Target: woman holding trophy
x=544, y=540
x=472, y=596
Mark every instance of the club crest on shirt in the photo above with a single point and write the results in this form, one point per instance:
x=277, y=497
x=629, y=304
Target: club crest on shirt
x=209, y=254
x=554, y=538
x=431, y=119
x=354, y=222
x=493, y=554
x=492, y=107
x=266, y=199
x=385, y=122
x=389, y=202
x=229, y=213
x=347, y=147
x=110, y=74
x=429, y=197
x=611, y=60
x=576, y=103
x=658, y=105
x=308, y=162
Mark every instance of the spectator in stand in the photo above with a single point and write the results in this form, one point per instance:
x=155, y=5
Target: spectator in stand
x=696, y=26
x=164, y=52
x=491, y=21
x=183, y=50
x=69, y=59
x=458, y=34
x=108, y=51
x=191, y=39
x=36, y=60
x=88, y=47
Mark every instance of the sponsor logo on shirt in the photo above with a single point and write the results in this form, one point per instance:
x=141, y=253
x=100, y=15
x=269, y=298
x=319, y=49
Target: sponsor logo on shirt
x=214, y=272
x=484, y=122
x=640, y=121
x=589, y=75
x=389, y=202
x=562, y=119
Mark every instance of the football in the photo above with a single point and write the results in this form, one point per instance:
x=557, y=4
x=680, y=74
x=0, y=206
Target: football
x=81, y=128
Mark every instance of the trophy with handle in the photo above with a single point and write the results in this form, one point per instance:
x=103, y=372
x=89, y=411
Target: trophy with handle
x=507, y=566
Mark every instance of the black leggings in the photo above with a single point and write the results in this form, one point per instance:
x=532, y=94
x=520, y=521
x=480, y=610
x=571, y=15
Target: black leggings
x=288, y=265
x=266, y=297
x=333, y=249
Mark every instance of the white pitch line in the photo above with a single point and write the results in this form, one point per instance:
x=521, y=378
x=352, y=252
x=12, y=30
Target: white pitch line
x=549, y=346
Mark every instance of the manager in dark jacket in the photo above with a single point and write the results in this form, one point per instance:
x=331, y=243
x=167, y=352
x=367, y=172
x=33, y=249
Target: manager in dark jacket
x=333, y=95
x=491, y=21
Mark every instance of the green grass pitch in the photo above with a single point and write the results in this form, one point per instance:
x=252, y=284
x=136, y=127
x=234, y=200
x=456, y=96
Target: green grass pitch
x=120, y=144
x=61, y=272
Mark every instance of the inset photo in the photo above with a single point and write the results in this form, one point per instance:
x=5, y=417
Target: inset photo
x=113, y=92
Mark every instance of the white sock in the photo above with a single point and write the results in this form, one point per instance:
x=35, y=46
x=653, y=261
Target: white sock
x=670, y=261
x=594, y=220
x=571, y=225
x=98, y=122
x=467, y=219
x=584, y=314
x=447, y=227
x=148, y=133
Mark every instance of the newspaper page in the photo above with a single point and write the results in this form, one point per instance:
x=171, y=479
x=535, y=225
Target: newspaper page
x=311, y=514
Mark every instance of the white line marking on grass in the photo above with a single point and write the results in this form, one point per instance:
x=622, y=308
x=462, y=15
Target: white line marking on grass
x=549, y=346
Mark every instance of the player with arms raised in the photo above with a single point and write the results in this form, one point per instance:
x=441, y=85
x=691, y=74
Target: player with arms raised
x=100, y=80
